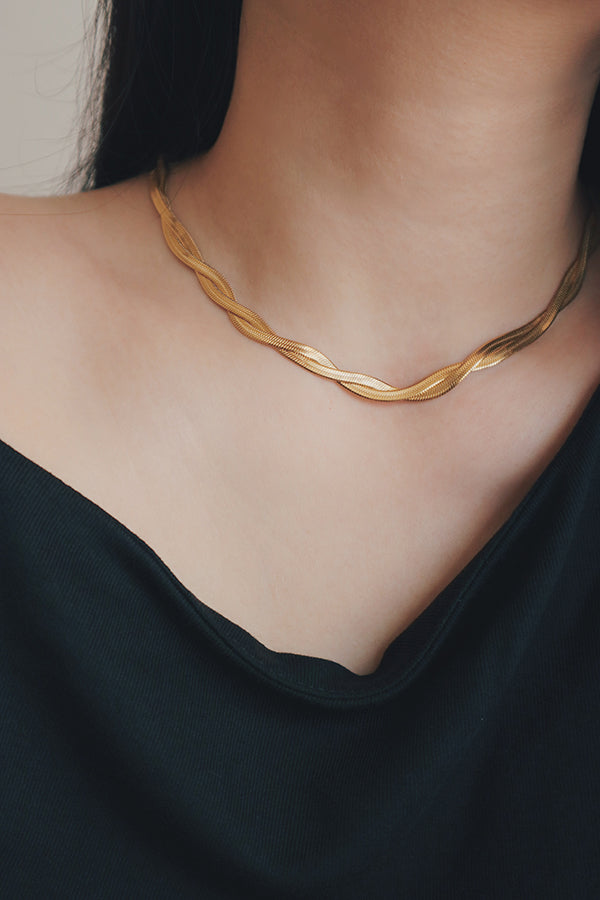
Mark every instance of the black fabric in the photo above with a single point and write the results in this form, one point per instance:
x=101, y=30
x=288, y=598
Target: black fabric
x=151, y=748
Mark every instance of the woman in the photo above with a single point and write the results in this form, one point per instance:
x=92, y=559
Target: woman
x=263, y=636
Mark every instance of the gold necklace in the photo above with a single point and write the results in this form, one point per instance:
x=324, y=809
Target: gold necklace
x=250, y=323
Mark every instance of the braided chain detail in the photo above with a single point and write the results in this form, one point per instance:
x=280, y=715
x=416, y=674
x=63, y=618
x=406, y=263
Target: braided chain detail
x=440, y=382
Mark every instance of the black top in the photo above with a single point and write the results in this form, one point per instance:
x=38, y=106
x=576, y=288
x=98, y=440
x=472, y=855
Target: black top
x=150, y=748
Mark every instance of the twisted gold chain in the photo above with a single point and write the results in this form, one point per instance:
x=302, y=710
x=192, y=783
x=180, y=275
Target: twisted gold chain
x=250, y=323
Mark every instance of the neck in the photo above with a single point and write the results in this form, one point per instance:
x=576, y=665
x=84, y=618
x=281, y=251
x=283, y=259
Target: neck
x=396, y=189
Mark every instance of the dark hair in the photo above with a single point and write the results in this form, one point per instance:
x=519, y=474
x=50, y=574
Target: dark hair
x=162, y=84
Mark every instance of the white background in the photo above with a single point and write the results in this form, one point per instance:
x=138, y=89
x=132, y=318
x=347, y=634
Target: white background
x=43, y=63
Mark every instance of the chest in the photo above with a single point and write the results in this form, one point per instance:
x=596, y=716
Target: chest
x=322, y=539
x=320, y=524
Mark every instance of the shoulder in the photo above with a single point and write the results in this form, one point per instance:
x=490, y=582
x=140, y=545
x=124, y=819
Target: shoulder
x=99, y=322
x=55, y=252
x=73, y=270
x=57, y=242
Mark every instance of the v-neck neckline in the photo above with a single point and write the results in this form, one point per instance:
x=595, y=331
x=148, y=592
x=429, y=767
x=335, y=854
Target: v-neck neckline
x=298, y=671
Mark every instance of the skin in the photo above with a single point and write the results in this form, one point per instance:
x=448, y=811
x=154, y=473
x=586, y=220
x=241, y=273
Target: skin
x=427, y=174
x=393, y=189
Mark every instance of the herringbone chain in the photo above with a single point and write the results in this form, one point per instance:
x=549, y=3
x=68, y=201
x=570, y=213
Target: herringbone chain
x=250, y=323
